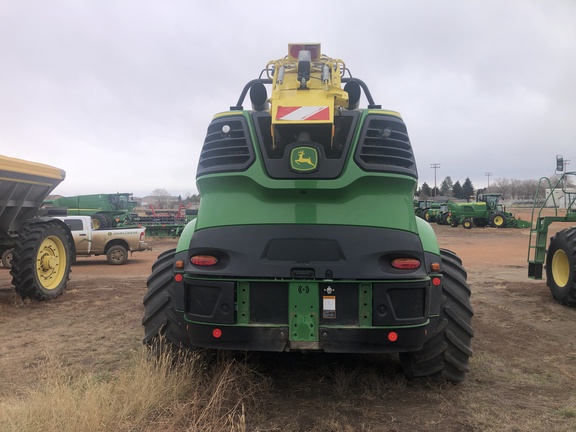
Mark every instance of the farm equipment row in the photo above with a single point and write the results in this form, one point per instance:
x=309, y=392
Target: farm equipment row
x=486, y=211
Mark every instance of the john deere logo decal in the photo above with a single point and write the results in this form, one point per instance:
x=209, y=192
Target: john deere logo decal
x=303, y=159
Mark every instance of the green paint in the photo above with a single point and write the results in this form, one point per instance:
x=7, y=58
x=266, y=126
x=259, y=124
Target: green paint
x=303, y=311
x=365, y=305
x=243, y=302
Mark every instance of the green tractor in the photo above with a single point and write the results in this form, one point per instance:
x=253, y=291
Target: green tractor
x=306, y=237
x=421, y=208
x=560, y=255
x=486, y=211
x=443, y=214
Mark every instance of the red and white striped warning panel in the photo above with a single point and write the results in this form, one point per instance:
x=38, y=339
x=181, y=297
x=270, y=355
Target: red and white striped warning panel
x=296, y=113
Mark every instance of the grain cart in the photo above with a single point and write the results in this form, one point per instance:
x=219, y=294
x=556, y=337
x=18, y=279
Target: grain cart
x=38, y=249
x=306, y=237
x=487, y=210
x=560, y=257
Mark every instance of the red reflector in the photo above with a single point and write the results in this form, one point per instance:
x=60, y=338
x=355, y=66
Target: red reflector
x=436, y=281
x=392, y=336
x=178, y=277
x=406, y=263
x=216, y=333
x=204, y=260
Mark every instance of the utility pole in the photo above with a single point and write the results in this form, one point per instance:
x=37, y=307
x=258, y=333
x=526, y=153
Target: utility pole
x=488, y=174
x=434, y=166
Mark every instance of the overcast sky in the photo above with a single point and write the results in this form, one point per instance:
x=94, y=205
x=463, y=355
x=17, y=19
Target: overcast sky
x=119, y=93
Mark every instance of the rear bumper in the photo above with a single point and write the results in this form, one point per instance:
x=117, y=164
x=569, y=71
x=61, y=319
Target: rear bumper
x=331, y=339
x=142, y=246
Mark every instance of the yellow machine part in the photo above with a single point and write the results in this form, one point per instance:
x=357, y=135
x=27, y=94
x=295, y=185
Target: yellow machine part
x=313, y=101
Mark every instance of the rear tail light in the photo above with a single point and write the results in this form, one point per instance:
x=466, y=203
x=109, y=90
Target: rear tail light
x=406, y=263
x=204, y=260
x=142, y=235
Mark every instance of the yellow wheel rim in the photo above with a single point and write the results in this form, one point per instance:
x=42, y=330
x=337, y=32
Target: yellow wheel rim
x=560, y=268
x=51, y=262
x=498, y=221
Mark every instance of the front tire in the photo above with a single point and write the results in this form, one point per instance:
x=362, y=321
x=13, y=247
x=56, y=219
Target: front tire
x=467, y=223
x=447, y=353
x=117, y=255
x=163, y=324
x=561, y=267
x=41, y=261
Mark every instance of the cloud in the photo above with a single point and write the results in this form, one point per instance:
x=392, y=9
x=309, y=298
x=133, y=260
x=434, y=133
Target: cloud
x=119, y=94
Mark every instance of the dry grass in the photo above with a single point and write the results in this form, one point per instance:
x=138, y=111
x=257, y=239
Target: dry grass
x=190, y=393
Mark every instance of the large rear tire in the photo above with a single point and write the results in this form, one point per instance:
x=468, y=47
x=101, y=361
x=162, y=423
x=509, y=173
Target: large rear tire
x=446, y=354
x=163, y=324
x=561, y=267
x=497, y=220
x=99, y=221
x=41, y=261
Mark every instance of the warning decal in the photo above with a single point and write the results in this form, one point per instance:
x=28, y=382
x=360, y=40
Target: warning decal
x=299, y=113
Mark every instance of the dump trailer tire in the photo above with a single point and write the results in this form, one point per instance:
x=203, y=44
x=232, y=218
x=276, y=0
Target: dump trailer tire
x=41, y=261
x=163, y=324
x=7, y=258
x=561, y=267
x=497, y=220
x=447, y=353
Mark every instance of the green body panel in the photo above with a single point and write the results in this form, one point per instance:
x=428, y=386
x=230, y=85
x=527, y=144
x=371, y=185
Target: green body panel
x=240, y=200
x=356, y=197
x=186, y=236
x=427, y=237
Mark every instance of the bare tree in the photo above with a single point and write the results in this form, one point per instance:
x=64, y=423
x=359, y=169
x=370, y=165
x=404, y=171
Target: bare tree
x=161, y=196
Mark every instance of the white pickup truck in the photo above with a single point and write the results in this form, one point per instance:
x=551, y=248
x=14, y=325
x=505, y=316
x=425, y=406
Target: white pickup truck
x=115, y=243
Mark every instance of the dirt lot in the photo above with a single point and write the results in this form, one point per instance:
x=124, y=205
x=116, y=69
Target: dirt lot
x=523, y=369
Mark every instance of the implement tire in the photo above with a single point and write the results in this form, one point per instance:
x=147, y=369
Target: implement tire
x=164, y=326
x=447, y=353
x=561, y=267
x=7, y=258
x=41, y=260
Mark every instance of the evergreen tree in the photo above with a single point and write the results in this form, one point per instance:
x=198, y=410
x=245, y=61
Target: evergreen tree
x=468, y=188
x=457, y=191
x=446, y=187
x=425, y=190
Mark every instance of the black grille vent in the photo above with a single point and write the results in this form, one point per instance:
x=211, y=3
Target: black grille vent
x=384, y=146
x=227, y=147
